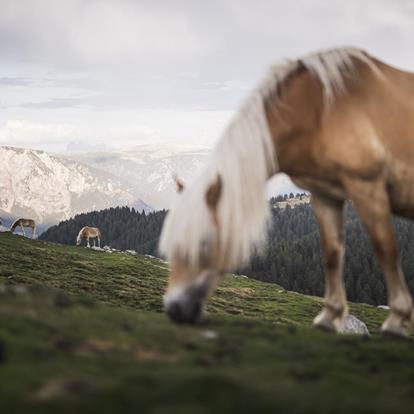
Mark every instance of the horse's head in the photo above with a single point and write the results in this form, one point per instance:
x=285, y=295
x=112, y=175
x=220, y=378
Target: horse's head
x=79, y=238
x=191, y=240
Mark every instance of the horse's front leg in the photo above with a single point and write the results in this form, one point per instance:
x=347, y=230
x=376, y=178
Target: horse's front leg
x=329, y=213
x=34, y=232
x=87, y=242
x=24, y=234
x=372, y=203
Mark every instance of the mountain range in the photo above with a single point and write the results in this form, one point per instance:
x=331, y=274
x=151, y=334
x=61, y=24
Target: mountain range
x=54, y=187
x=51, y=188
x=149, y=169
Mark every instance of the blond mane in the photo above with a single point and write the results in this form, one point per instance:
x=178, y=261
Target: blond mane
x=245, y=159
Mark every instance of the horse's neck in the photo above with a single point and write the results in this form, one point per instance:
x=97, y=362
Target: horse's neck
x=16, y=224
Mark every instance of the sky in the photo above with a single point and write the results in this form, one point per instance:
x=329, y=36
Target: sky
x=85, y=75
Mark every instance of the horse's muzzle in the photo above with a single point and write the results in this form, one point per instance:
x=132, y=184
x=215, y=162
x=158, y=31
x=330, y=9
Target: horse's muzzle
x=185, y=312
x=186, y=305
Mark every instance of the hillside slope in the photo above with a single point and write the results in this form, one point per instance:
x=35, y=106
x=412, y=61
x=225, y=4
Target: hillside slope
x=82, y=331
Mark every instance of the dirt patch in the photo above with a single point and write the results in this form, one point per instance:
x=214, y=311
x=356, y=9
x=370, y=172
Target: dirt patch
x=100, y=347
x=242, y=292
x=59, y=387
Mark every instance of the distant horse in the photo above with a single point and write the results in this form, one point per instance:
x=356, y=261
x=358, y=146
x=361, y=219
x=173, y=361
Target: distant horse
x=88, y=233
x=22, y=222
x=340, y=124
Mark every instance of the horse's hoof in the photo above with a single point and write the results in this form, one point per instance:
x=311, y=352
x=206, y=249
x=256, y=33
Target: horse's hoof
x=324, y=326
x=394, y=333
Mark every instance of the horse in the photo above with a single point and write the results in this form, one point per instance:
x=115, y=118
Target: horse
x=87, y=233
x=22, y=222
x=339, y=123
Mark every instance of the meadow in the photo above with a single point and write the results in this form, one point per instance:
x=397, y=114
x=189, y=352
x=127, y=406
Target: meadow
x=83, y=331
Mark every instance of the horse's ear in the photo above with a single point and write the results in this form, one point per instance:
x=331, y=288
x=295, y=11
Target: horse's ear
x=179, y=183
x=213, y=193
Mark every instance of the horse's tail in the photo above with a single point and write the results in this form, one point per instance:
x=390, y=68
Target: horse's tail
x=99, y=233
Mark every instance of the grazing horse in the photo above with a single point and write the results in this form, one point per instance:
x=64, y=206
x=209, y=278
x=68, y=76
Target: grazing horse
x=340, y=123
x=22, y=222
x=87, y=233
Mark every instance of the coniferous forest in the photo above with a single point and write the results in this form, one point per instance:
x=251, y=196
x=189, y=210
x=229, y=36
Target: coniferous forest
x=121, y=227
x=291, y=257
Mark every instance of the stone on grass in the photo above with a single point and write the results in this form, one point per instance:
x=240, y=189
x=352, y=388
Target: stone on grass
x=352, y=325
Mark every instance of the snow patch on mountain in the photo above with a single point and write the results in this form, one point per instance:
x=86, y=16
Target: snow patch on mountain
x=149, y=169
x=51, y=188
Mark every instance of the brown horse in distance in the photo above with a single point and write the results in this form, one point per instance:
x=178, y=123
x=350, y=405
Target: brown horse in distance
x=22, y=222
x=88, y=233
x=340, y=124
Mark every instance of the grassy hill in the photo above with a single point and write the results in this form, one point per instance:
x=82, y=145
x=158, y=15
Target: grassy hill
x=83, y=331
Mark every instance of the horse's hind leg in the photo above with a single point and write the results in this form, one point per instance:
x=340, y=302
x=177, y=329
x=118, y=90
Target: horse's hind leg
x=34, y=232
x=329, y=213
x=24, y=234
x=372, y=203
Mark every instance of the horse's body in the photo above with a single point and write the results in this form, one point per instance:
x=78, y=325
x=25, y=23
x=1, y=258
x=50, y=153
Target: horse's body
x=22, y=222
x=89, y=233
x=341, y=124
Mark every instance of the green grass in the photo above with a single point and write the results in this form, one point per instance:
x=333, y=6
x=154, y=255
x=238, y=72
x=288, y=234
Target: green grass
x=83, y=331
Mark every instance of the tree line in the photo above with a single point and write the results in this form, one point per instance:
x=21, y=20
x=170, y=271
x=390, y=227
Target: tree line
x=291, y=257
x=121, y=228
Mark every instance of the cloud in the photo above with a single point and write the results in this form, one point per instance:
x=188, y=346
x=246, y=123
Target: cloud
x=20, y=132
x=95, y=32
x=9, y=81
x=110, y=62
x=56, y=103
x=105, y=129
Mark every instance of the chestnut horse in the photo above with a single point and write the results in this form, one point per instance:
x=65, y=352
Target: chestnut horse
x=88, y=233
x=340, y=124
x=22, y=222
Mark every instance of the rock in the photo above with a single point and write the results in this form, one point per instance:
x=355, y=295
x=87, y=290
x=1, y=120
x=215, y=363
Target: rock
x=383, y=307
x=99, y=249
x=352, y=325
x=133, y=252
x=208, y=334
